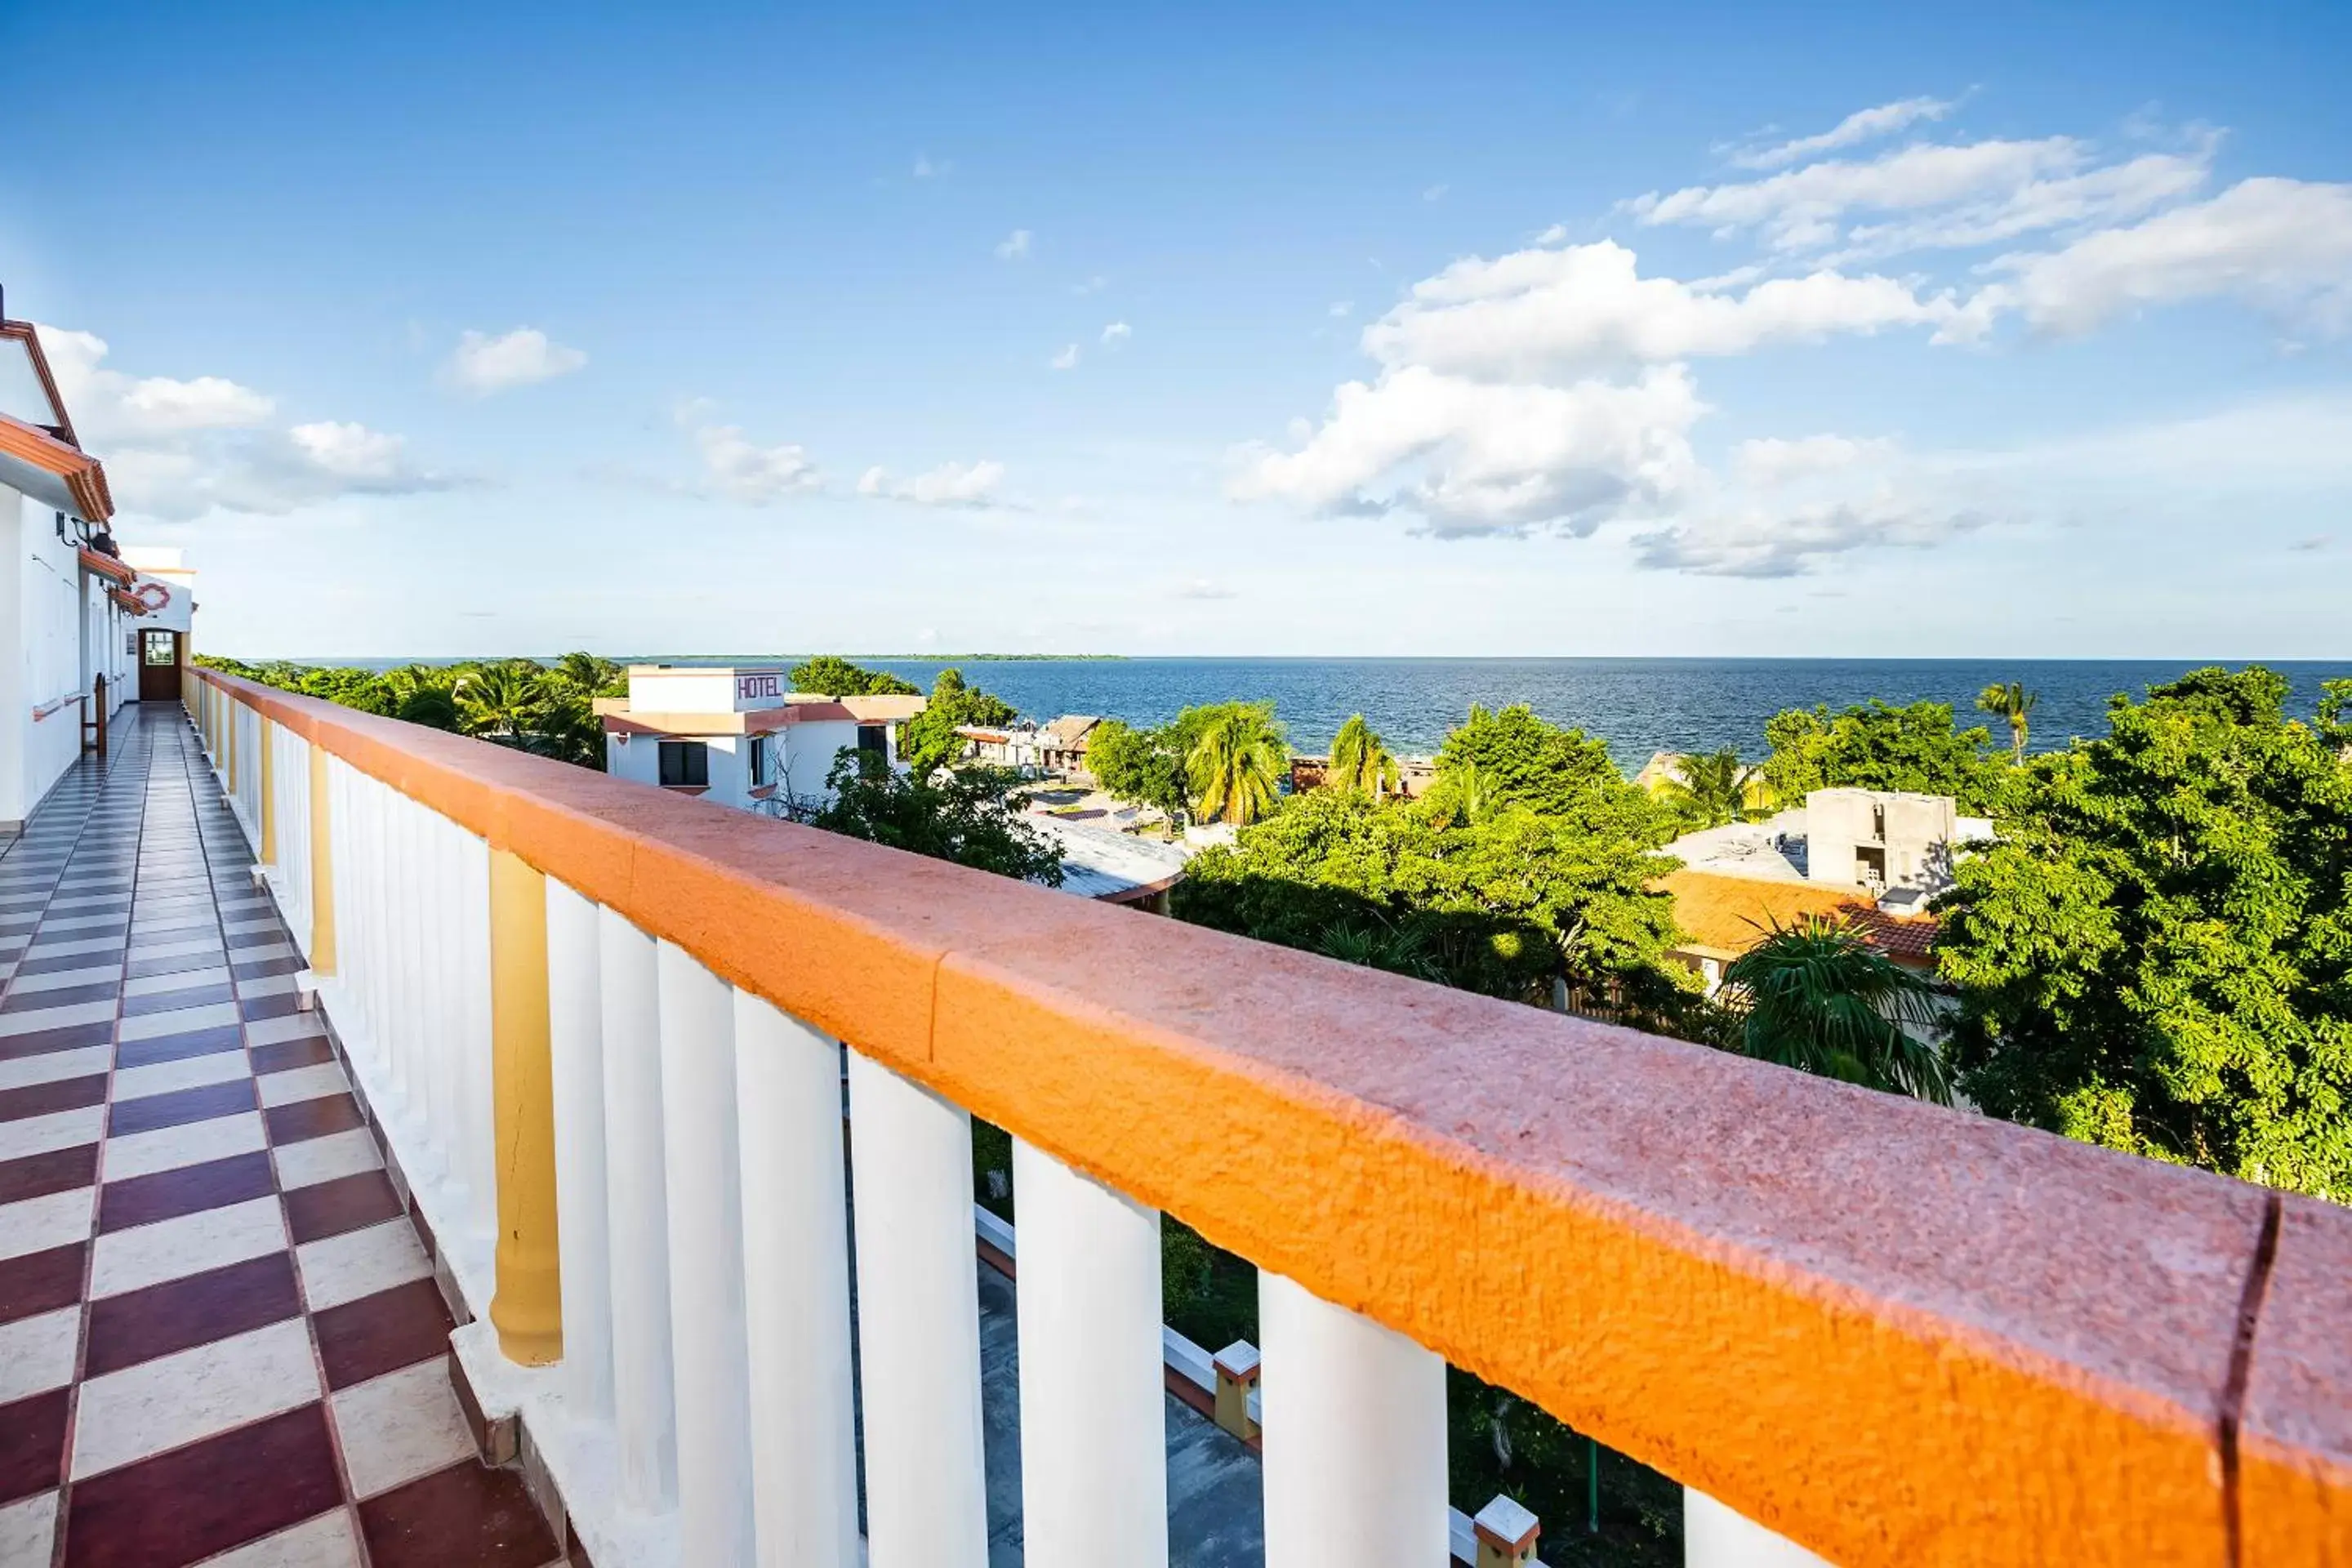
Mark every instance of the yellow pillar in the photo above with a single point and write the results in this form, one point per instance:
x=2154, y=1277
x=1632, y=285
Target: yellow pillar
x=268, y=795
x=528, y=1308
x=322, y=870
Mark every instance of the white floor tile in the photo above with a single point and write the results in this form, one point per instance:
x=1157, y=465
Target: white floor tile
x=315, y=1160
x=266, y=985
x=174, y=950
x=34, y=1019
x=188, y=1072
x=329, y=1541
x=314, y=1083
x=248, y=927
x=60, y=979
x=29, y=1531
x=58, y=1129
x=399, y=1427
x=267, y=951
x=189, y=1244
x=54, y=923
x=53, y=1219
x=175, y=1399
x=169, y=1148
x=74, y=948
x=37, y=1355
x=285, y=1027
x=360, y=1263
x=54, y=1066
x=179, y=980
x=178, y=1021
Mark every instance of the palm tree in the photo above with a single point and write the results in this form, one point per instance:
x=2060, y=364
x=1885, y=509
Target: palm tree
x=1233, y=766
x=1819, y=998
x=1713, y=787
x=1399, y=949
x=2012, y=701
x=1360, y=761
x=592, y=676
x=423, y=694
x=502, y=701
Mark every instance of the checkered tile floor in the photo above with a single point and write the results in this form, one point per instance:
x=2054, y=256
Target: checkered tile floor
x=220, y=1340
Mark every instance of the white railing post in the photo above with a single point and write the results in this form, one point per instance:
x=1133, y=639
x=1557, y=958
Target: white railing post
x=796, y=1289
x=917, y=1322
x=433, y=1144
x=575, y=1032
x=1715, y=1536
x=1353, y=1418
x=1094, y=1438
x=477, y=1093
x=635, y=1182
x=706, y=1260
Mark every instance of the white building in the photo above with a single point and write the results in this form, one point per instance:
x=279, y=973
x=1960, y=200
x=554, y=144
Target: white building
x=70, y=609
x=739, y=735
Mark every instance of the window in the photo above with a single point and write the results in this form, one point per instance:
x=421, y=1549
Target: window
x=160, y=648
x=873, y=738
x=764, y=761
x=686, y=763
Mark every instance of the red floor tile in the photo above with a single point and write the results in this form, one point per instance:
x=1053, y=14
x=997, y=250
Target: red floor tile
x=140, y=1325
x=382, y=1332
x=32, y=1444
x=311, y=1119
x=272, y=1006
x=166, y=1195
x=170, y=1001
x=41, y=1098
x=32, y=1001
x=73, y=1036
x=467, y=1514
x=185, y=1505
x=145, y=968
x=174, y=1048
x=286, y=1055
x=42, y=1281
x=38, y=1175
x=330, y=1208
x=180, y=1107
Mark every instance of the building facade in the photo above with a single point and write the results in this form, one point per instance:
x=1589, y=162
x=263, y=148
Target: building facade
x=740, y=735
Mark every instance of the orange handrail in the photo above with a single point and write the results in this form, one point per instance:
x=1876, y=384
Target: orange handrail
x=1895, y=1334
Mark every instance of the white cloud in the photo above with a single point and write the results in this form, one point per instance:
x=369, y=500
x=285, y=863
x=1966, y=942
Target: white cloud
x=1435, y=193
x=1117, y=333
x=742, y=471
x=1473, y=457
x=2285, y=246
x=925, y=168
x=107, y=405
x=1762, y=542
x=1013, y=247
x=1094, y=285
x=483, y=365
x=1341, y=309
x=950, y=484
x=1067, y=359
x=1202, y=588
x=1862, y=125
x=1770, y=462
x=1565, y=311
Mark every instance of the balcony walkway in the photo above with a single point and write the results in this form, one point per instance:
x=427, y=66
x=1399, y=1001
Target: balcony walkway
x=218, y=1332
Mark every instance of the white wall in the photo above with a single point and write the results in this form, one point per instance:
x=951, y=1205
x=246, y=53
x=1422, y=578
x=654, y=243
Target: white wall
x=808, y=753
x=41, y=651
x=640, y=763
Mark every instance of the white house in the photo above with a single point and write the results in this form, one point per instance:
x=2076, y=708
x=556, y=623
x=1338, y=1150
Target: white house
x=70, y=608
x=740, y=735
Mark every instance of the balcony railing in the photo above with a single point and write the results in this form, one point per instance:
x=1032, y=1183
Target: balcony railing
x=603, y=1028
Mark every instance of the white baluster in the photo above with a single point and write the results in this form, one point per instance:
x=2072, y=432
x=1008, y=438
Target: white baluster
x=1094, y=1439
x=1715, y=1536
x=576, y=1029
x=445, y=970
x=796, y=1289
x=472, y=1039
x=432, y=1145
x=1353, y=1418
x=635, y=1179
x=706, y=1260
x=919, y=1324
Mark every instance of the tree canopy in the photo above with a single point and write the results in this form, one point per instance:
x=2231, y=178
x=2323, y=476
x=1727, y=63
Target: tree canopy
x=964, y=814
x=516, y=703
x=1876, y=746
x=1236, y=762
x=2157, y=953
x=830, y=675
x=1140, y=765
x=1818, y=997
x=1709, y=788
x=1360, y=759
x=929, y=741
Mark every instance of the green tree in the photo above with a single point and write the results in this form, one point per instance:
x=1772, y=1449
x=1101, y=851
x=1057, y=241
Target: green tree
x=1711, y=788
x=1142, y=766
x=2156, y=954
x=2011, y=702
x=1875, y=746
x=830, y=675
x=1234, y=763
x=592, y=676
x=1360, y=761
x=1521, y=759
x=929, y=741
x=963, y=815
x=1817, y=997
x=502, y=701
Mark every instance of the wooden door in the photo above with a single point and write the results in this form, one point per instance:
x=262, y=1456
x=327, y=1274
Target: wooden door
x=159, y=667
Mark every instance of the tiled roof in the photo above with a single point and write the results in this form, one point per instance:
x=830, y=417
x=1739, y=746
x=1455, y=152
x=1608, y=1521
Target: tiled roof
x=1726, y=916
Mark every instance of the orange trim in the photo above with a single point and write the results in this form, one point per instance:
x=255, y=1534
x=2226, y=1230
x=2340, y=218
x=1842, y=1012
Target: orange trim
x=99, y=565
x=85, y=479
x=24, y=332
x=1895, y=1334
x=126, y=602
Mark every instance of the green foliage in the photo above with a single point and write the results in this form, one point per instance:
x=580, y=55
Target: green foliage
x=516, y=703
x=1711, y=788
x=1498, y=1442
x=1516, y=758
x=830, y=675
x=2157, y=953
x=1817, y=997
x=1236, y=760
x=1875, y=746
x=1139, y=765
x=929, y=741
x=2011, y=702
x=963, y=815
x=1360, y=761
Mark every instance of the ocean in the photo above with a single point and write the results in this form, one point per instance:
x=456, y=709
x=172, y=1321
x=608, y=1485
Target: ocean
x=1637, y=705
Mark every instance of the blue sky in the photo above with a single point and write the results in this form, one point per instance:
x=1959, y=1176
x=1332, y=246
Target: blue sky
x=1462, y=330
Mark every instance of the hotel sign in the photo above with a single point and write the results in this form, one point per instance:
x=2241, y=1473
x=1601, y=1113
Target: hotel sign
x=756, y=688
